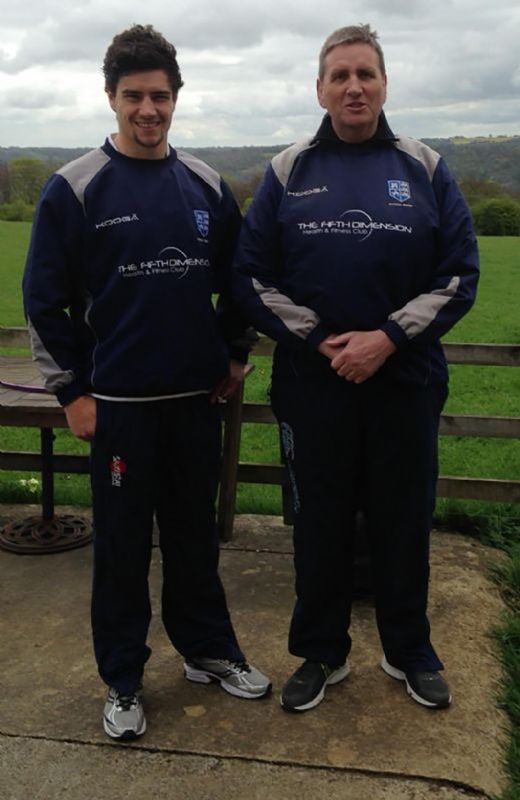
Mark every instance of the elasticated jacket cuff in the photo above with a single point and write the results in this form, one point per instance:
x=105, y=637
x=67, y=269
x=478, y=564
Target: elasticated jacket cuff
x=70, y=393
x=395, y=333
x=317, y=336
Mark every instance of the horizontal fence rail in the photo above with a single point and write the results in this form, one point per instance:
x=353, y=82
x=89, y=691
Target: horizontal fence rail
x=491, y=355
x=485, y=355
x=451, y=424
x=14, y=337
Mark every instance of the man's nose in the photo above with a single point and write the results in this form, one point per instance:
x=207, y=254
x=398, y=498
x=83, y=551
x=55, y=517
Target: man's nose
x=147, y=106
x=354, y=87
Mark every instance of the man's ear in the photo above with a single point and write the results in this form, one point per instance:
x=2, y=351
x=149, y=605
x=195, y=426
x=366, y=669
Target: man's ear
x=319, y=92
x=111, y=99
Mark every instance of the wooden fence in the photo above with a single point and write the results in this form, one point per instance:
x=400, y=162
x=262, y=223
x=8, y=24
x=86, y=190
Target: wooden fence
x=238, y=412
x=467, y=488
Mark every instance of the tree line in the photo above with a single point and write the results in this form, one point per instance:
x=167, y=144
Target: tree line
x=495, y=206
x=21, y=181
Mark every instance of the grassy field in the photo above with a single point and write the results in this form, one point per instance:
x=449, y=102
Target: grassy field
x=474, y=390
x=14, y=240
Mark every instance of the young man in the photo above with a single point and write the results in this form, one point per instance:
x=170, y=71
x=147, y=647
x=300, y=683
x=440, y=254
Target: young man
x=356, y=256
x=128, y=245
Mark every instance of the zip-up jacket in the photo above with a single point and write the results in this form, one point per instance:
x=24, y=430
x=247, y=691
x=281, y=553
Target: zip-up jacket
x=355, y=237
x=124, y=257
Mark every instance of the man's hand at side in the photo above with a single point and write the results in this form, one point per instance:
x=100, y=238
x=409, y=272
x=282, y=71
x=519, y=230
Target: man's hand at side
x=81, y=417
x=227, y=387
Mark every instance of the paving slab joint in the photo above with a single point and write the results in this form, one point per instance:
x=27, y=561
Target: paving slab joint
x=441, y=783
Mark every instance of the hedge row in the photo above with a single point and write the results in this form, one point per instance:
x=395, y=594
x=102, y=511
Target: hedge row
x=494, y=217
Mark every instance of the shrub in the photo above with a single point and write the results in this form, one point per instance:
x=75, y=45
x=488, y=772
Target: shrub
x=497, y=217
x=17, y=211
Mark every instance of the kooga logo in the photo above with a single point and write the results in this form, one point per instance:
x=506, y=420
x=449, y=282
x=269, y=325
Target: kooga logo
x=107, y=223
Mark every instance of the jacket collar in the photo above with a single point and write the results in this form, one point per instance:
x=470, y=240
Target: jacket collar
x=383, y=132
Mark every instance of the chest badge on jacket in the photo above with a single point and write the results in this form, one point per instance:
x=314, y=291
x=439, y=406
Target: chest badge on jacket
x=399, y=190
x=202, y=220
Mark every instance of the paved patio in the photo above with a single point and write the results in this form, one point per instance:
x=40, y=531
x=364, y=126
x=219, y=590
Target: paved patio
x=366, y=741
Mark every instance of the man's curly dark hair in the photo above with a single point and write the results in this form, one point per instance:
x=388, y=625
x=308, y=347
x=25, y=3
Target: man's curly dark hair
x=139, y=49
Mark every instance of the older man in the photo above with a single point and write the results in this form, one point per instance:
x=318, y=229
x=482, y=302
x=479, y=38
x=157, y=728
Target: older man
x=357, y=254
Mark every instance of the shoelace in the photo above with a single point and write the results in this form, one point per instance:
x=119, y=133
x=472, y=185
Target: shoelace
x=239, y=666
x=126, y=702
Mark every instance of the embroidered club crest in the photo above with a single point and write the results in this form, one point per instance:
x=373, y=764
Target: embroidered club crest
x=202, y=220
x=399, y=190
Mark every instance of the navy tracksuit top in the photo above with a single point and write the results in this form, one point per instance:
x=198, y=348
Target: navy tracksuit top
x=124, y=257
x=343, y=237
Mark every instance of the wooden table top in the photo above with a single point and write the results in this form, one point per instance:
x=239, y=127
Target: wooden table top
x=23, y=400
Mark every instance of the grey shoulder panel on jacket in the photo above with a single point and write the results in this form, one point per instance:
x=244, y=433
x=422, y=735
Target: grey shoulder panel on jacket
x=79, y=173
x=283, y=162
x=413, y=147
x=200, y=168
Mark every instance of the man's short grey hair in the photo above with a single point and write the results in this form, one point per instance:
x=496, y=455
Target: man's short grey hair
x=353, y=34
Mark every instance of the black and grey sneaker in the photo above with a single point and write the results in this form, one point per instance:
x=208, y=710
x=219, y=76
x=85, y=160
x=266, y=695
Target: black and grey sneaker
x=123, y=715
x=237, y=677
x=427, y=687
x=306, y=687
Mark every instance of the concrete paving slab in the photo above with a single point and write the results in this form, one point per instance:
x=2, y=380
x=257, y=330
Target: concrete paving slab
x=45, y=770
x=367, y=728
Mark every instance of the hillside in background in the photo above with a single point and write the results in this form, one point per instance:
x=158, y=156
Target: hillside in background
x=59, y=155
x=493, y=158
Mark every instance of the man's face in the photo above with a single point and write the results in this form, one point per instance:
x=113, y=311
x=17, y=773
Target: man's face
x=144, y=104
x=353, y=90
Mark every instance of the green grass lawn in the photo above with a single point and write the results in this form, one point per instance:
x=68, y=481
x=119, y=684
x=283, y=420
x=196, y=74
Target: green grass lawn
x=14, y=240
x=494, y=317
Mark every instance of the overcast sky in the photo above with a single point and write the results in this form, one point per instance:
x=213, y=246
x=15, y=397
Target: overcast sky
x=250, y=67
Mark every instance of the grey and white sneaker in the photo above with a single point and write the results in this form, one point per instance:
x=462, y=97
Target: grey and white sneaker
x=236, y=677
x=123, y=715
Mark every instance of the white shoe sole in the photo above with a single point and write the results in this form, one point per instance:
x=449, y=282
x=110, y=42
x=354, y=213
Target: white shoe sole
x=399, y=675
x=202, y=676
x=126, y=735
x=338, y=675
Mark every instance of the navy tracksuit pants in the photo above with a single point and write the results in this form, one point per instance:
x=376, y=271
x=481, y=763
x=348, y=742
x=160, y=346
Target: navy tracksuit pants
x=371, y=446
x=157, y=457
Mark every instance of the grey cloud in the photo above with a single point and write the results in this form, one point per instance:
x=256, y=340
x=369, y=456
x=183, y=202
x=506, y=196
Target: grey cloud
x=250, y=69
x=399, y=8
x=260, y=106
x=465, y=118
x=68, y=32
x=34, y=98
x=16, y=16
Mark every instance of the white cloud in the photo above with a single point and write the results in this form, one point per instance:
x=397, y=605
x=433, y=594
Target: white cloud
x=249, y=69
